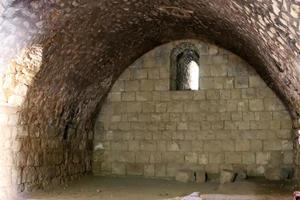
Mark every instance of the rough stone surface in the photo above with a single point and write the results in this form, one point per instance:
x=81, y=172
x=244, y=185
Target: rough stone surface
x=227, y=176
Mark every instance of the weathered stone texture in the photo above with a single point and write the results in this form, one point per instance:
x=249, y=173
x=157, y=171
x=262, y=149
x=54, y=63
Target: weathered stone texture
x=243, y=125
x=83, y=54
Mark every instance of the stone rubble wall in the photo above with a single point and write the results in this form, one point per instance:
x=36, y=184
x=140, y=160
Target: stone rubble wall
x=234, y=120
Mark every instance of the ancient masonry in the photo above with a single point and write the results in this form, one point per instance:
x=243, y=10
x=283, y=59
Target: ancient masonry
x=59, y=59
x=234, y=120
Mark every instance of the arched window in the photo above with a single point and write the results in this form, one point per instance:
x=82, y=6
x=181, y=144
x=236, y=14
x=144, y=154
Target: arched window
x=185, y=68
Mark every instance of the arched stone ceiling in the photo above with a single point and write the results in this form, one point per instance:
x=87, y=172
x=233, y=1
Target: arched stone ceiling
x=86, y=44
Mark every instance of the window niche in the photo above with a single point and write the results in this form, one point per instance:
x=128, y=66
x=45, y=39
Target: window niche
x=184, y=67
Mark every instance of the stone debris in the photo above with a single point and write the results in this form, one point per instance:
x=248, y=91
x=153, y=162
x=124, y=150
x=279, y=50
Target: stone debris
x=200, y=176
x=277, y=174
x=241, y=174
x=227, y=176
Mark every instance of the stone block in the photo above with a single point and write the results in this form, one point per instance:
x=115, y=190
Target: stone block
x=248, y=158
x=161, y=85
x=256, y=105
x=147, y=85
x=128, y=96
x=206, y=83
x=216, y=158
x=212, y=146
x=219, y=70
x=262, y=158
x=203, y=159
x=233, y=158
x=256, y=82
x=199, y=95
x=140, y=74
x=148, y=107
x=242, y=145
x=185, y=176
x=227, y=176
x=135, y=169
x=212, y=94
x=133, y=107
x=200, y=176
x=191, y=158
x=175, y=107
x=133, y=85
x=143, y=96
x=191, y=107
x=241, y=82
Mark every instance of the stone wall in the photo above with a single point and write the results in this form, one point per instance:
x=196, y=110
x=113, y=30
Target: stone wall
x=35, y=157
x=146, y=129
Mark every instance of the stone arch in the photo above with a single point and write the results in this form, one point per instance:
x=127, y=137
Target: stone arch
x=176, y=52
x=87, y=44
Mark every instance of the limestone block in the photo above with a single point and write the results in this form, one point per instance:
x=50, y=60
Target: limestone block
x=277, y=173
x=128, y=96
x=140, y=74
x=241, y=82
x=272, y=145
x=147, y=85
x=199, y=95
x=185, y=176
x=175, y=107
x=114, y=96
x=149, y=170
x=206, y=83
x=132, y=85
x=242, y=145
x=227, y=176
x=135, y=168
x=233, y=158
x=191, y=158
x=148, y=145
x=219, y=69
x=148, y=107
x=212, y=146
x=212, y=94
x=153, y=74
x=133, y=107
x=203, y=159
x=142, y=157
x=256, y=82
x=256, y=105
x=216, y=158
x=288, y=158
x=262, y=158
x=161, y=85
x=143, y=96
x=228, y=145
x=248, y=158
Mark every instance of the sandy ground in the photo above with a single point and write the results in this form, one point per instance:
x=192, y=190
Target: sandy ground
x=135, y=188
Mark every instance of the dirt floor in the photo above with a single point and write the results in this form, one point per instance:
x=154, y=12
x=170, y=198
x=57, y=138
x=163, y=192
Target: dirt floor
x=135, y=188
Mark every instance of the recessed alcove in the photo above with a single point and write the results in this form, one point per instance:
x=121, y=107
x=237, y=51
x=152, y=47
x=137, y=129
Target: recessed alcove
x=233, y=121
